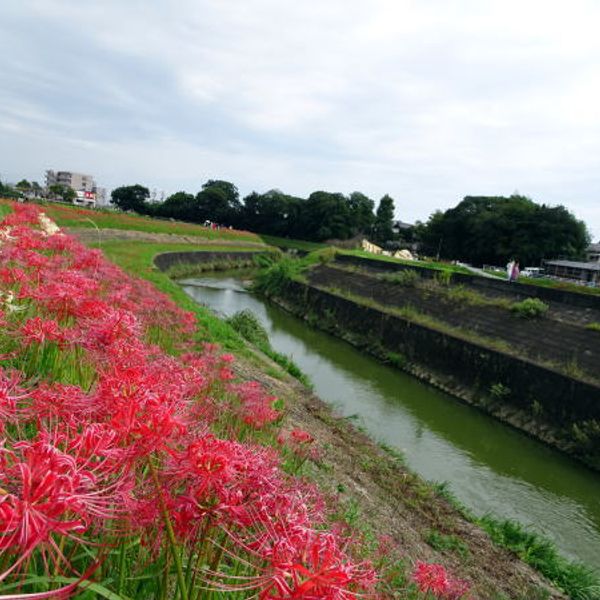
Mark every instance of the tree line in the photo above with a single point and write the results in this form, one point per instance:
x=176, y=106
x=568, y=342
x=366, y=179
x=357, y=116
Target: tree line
x=479, y=230
x=321, y=216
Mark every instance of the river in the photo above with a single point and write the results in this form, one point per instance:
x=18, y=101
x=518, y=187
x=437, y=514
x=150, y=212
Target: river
x=488, y=466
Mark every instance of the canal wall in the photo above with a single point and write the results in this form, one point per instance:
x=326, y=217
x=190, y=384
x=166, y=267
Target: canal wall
x=169, y=260
x=560, y=410
x=519, y=291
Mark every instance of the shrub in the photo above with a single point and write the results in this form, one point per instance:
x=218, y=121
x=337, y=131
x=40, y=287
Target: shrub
x=249, y=327
x=531, y=308
x=499, y=391
x=246, y=323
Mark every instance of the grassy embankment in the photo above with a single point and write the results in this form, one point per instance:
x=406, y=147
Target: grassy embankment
x=137, y=258
x=88, y=485
x=73, y=216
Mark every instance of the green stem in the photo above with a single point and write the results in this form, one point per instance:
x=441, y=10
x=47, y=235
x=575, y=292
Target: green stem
x=122, y=557
x=170, y=532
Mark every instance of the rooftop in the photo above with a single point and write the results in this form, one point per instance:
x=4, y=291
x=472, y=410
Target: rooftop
x=573, y=264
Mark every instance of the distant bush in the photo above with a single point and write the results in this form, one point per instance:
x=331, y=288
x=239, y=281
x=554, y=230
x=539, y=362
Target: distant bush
x=531, y=308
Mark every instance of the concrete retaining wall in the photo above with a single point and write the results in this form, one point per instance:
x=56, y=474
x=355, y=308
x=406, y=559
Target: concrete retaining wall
x=541, y=401
x=518, y=290
x=169, y=259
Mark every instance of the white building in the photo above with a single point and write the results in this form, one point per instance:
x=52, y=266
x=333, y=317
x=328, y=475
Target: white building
x=84, y=186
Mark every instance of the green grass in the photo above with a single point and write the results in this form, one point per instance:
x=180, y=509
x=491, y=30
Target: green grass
x=408, y=278
x=68, y=215
x=249, y=327
x=577, y=580
x=595, y=326
x=530, y=308
x=560, y=285
x=447, y=543
x=280, y=242
x=4, y=210
x=183, y=270
x=437, y=266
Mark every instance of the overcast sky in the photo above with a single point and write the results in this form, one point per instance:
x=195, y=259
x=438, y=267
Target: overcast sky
x=428, y=101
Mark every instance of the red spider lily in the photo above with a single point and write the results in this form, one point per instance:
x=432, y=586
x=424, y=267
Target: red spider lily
x=302, y=437
x=39, y=331
x=134, y=450
x=59, y=403
x=301, y=443
x=45, y=494
x=300, y=563
x=256, y=407
x=146, y=413
x=432, y=577
x=10, y=394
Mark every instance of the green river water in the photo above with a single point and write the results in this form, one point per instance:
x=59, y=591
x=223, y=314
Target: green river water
x=488, y=466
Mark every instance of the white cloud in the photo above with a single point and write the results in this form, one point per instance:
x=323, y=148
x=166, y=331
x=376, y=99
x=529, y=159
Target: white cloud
x=427, y=100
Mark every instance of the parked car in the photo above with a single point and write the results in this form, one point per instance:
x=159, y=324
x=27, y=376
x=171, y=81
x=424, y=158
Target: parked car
x=532, y=272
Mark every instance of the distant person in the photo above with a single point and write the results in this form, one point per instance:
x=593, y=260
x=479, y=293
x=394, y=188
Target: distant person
x=515, y=271
x=509, y=269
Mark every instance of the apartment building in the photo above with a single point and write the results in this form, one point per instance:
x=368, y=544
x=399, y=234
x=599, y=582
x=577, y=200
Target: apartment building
x=76, y=181
x=85, y=186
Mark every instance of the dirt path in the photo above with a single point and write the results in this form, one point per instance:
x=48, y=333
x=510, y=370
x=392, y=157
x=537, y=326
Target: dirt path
x=394, y=501
x=89, y=235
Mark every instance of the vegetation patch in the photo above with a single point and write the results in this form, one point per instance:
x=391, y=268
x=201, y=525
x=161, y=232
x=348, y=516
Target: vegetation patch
x=447, y=543
x=249, y=327
x=408, y=278
x=530, y=308
x=575, y=579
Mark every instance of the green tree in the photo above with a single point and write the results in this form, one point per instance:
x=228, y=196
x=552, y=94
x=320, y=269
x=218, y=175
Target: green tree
x=131, y=197
x=384, y=220
x=181, y=206
x=324, y=216
x=23, y=185
x=492, y=229
x=64, y=192
x=273, y=212
x=218, y=201
x=361, y=209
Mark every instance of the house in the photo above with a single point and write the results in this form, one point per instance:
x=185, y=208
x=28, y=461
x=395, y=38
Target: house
x=400, y=226
x=587, y=273
x=593, y=253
